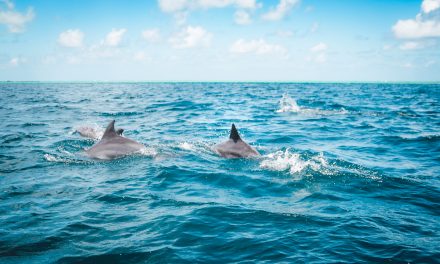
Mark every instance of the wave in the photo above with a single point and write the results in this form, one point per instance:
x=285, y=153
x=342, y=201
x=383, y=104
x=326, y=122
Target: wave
x=423, y=137
x=121, y=114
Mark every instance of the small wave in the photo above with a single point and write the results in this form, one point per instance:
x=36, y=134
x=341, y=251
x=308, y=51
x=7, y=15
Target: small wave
x=292, y=162
x=421, y=137
x=121, y=114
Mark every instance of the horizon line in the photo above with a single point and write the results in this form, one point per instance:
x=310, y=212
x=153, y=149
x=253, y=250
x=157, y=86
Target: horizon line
x=217, y=81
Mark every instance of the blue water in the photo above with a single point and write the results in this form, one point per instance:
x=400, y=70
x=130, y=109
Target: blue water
x=349, y=173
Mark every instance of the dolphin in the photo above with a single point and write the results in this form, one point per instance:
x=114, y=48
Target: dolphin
x=112, y=145
x=235, y=147
x=93, y=133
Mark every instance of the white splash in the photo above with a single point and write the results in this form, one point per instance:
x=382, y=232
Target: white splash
x=148, y=151
x=288, y=104
x=187, y=146
x=281, y=161
x=285, y=160
x=52, y=158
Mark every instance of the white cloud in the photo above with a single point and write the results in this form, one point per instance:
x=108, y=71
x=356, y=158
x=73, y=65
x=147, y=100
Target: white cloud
x=424, y=25
x=172, y=6
x=407, y=65
x=430, y=5
x=410, y=45
x=281, y=10
x=242, y=17
x=72, y=38
x=416, y=28
x=181, y=8
x=320, y=47
x=258, y=46
x=114, y=37
x=151, y=35
x=15, y=21
x=191, y=37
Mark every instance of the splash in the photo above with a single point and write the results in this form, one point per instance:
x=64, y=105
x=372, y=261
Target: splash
x=187, y=146
x=57, y=159
x=52, y=158
x=288, y=104
x=292, y=162
x=197, y=147
x=148, y=151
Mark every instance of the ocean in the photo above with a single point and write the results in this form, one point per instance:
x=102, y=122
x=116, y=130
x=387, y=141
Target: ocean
x=349, y=173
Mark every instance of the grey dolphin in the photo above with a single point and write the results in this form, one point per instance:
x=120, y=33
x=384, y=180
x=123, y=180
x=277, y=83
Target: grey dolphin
x=93, y=133
x=112, y=145
x=235, y=147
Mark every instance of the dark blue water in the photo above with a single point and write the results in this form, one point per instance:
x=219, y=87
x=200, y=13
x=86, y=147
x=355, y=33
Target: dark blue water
x=349, y=173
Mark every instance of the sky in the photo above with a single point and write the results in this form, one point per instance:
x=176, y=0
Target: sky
x=220, y=40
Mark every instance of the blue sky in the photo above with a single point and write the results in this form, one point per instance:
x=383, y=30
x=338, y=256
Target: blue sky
x=220, y=40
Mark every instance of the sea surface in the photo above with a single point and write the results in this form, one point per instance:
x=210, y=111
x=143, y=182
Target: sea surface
x=349, y=173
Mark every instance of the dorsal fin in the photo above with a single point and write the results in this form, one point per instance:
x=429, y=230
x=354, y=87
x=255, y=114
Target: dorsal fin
x=110, y=130
x=234, y=134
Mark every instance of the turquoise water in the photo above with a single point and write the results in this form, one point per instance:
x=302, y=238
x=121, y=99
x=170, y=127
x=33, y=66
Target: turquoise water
x=349, y=173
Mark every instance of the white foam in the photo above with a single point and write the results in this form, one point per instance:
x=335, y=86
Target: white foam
x=288, y=104
x=52, y=158
x=187, y=146
x=148, y=151
x=292, y=162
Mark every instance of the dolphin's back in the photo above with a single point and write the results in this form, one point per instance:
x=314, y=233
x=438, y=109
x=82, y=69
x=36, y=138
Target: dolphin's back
x=239, y=149
x=114, y=147
x=235, y=147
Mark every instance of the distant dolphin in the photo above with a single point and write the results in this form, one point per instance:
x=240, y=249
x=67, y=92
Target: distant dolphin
x=93, y=133
x=235, y=147
x=112, y=145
